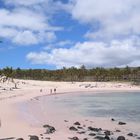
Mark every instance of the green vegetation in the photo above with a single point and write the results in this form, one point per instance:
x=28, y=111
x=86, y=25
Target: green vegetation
x=75, y=74
x=8, y=74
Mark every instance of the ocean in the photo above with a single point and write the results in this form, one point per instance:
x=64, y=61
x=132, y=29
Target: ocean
x=122, y=105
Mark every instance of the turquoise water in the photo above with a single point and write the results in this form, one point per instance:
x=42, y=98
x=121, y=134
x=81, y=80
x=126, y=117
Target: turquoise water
x=124, y=106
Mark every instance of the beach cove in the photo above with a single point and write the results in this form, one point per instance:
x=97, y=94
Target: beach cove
x=26, y=110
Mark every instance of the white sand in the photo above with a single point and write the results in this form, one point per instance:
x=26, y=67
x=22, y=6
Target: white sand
x=15, y=124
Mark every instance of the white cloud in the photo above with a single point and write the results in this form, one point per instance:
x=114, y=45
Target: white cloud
x=7, y=32
x=48, y=36
x=22, y=21
x=25, y=38
x=114, y=17
x=24, y=2
x=23, y=18
x=47, y=6
x=92, y=54
x=30, y=38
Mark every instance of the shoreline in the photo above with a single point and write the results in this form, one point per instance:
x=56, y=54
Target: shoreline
x=62, y=123
x=9, y=100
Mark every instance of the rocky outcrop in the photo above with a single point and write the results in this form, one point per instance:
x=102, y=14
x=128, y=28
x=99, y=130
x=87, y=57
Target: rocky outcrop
x=74, y=138
x=121, y=138
x=72, y=128
x=33, y=137
x=49, y=129
x=122, y=123
x=94, y=129
x=77, y=123
x=130, y=134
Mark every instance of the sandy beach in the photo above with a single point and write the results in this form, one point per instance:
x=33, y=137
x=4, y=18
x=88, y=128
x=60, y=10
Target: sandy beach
x=16, y=123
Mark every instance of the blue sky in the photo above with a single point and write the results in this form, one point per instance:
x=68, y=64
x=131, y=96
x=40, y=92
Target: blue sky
x=55, y=33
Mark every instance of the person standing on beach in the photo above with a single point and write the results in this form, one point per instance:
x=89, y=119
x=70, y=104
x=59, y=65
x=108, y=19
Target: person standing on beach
x=50, y=91
x=54, y=90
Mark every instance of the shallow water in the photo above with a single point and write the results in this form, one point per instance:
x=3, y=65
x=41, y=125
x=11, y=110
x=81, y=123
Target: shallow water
x=123, y=106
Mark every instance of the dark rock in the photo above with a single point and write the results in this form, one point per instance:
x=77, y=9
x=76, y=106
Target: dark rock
x=121, y=138
x=91, y=134
x=79, y=127
x=72, y=128
x=20, y=139
x=99, y=138
x=138, y=138
x=107, y=132
x=49, y=129
x=85, y=139
x=82, y=132
x=130, y=134
x=118, y=130
x=33, y=137
x=46, y=125
x=122, y=123
x=77, y=123
x=66, y=121
x=94, y=129
x=74, y=138
x=112, y=119
x=90, y=128
x=107, y=137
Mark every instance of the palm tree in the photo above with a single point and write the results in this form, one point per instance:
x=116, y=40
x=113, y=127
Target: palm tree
x=8, y=75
